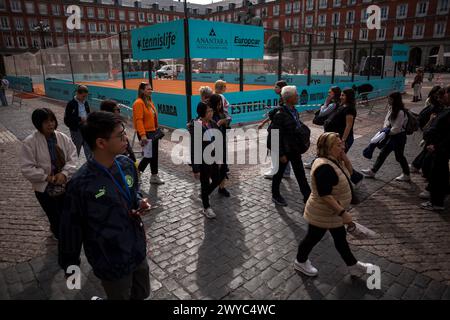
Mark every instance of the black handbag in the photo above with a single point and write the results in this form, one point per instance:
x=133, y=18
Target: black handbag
x=155, y=135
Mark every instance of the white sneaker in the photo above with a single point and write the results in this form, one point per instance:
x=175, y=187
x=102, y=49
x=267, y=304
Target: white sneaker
x=209, y=213
x=155, y=179
x=429, y=206
x=368, y=173
x=96, y=298
x=413, y=169
x=425, y=195
x=306, y=268
x=359, y=269
x=269, y=174
x=403, y=177
x=307, y=165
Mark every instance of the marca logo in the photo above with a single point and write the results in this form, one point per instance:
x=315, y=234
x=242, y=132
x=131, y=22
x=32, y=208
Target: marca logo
x=261, y=79
x=158, y=42
x=246, y=42
x=167, y=109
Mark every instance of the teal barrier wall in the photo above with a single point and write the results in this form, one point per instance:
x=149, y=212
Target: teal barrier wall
x=20, y=83
x=246, y=107
x=270, y=79
x=171, y=107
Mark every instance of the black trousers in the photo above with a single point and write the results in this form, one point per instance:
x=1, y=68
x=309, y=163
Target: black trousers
x=153, y=160
x=299, y=171
x=397, y=144
x=438, y=179
x=135, y=286
x=52, y=207
x=315, y=234
x=211, y=175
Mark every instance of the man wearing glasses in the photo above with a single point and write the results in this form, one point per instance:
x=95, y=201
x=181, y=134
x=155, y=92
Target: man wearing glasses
x=102, y=213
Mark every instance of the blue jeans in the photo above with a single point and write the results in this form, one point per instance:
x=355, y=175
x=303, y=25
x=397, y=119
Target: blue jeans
x=3, y=97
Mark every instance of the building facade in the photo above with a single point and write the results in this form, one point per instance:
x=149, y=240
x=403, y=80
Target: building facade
x=424, y=25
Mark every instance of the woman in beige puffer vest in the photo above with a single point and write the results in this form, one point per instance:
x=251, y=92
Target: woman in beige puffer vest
x=326, y=207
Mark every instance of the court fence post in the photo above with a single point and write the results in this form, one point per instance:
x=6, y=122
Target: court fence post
x=124, y=86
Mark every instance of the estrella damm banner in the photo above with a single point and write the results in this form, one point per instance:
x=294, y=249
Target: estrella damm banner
x=207, y=39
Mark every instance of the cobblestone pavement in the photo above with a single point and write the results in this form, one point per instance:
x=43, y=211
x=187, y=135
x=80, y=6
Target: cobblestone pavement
x=247, y=252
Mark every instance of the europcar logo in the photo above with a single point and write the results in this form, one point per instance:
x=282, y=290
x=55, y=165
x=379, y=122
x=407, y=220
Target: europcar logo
x=212, y=41
x=246, y=42
x=157, y=42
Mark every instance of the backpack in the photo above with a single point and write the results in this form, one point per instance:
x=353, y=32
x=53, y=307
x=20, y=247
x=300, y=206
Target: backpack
x=303, y=134
x=412, y=125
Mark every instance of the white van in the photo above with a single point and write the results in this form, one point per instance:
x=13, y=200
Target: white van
x=170, y=71
x=320, y=67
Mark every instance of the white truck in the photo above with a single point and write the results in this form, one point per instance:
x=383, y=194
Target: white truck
x=321, y=67
x=170, y=71
x=376, y=64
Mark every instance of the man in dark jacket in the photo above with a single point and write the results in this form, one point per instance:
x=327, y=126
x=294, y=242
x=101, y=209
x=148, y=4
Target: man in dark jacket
x=437, y=138
x=102, y=213
x=287, y=121
x=75, y=116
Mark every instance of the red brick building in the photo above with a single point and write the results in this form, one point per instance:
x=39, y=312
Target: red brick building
x=424, y=25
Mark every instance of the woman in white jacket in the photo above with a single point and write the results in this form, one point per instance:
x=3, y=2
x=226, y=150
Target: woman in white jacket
x=48, y=162
x=396, y=119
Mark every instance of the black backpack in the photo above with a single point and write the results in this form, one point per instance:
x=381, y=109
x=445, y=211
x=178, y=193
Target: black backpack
x=413, y=123
x=302, y=135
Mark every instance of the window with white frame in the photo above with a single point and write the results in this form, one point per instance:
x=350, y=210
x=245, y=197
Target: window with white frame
x=351, y=2
x=296, y=6
x=287, y=23
x=309, y=21
x=43, y=8
x=35, y=42
x=363, y=34
x=334, y=34
x=336, y=19
x=439, y=29
x=150, y=17
x=350, y=17
x=384, y=13
x=348, y=35
x=22, y=41
x=322, y=20
x=296, y=23
x=16, y=6
x=421, y=9
x=265, y=24
x=101, y=27
x=295, y=38
x=4, y=23
x=381, y=34
x=275, y=24
x=309, y=5
x=158, y=18
x=323, y=4
x=132, y=26
x=112, y=28
x=90, y=12
x=121, y=15
x=399, y=32
x=92, y=27
x=56, y=9
x=228, y=17
x=276, y=10
x=321, y=37
x=288, y=8
x=402, y=10
x=336, y=3
x=32, y=22
x=9, y=42
x=418, y=31
x=48, y=42
x=2, y=5
x=112, y=14
x=364, y=15
x=58, y=25
x=101, y=13
x=19, y=23
x=131, y=15
x=123, y=27
x=141, y=16
x=29, y=7
x=443, y=6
